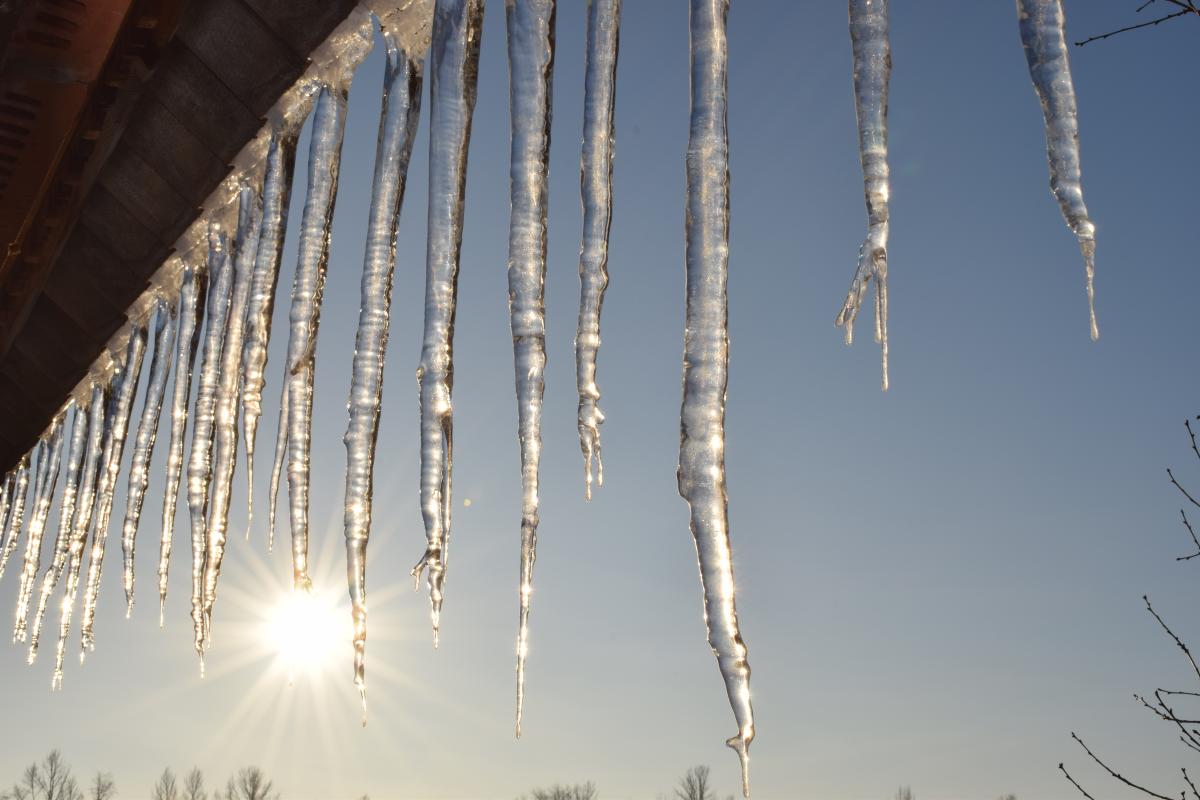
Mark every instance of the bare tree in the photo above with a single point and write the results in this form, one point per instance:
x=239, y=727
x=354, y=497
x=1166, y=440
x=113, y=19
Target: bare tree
x=193, y=786
x=578, y=791
x=694, y=785
x=49, y=780
x=1174, y=9
x=904, y=793
x=251, y=783
x=102, y=787
x=166, y=789
x=1163, y=703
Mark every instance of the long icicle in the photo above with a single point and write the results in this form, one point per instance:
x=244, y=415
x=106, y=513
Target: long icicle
x=110, y=468
x=872, y=72
x=225, y=446
x=6, y=498
x=1043, y=36
x=531, y=67
x=187, y=340
x=324, y=159
x=15, y=518
x=49, y=462
x=398, y=119
x=595, y=182
x=277, y=194
x=81, y=519
x=199, y=473
x=453, y=73
x=62, y=539
x=147, y=433
x=706, y=360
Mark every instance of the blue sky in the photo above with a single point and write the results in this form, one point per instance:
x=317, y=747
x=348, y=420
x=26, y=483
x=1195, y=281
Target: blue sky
x=936, y=585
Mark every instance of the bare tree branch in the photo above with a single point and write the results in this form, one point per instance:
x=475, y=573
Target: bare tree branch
x=1185, y=7
x=1116, y=774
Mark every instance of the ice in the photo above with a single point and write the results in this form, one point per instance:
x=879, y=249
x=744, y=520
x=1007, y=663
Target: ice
x=14, y=519
x=49, y=461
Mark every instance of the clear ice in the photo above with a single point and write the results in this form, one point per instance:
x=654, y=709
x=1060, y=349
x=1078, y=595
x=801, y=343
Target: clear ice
x=398, y=119
x=531, y=71
x=453, y=74
x=872, y=72
x=226, y=408
x=49, y=461
x=199, y=473
x=62, y=539
x=706, y=359
x=14, y=519
x=187, y=341
x=1043, y=35
x=147, y=433
x=126, y=384
x=595, y=181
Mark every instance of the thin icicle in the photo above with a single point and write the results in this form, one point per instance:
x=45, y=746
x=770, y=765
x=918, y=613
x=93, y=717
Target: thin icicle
x=706, y=359
x=595, y=182
x=225, y=446
x=147, y=433
x=14, y=520
x=81, y=518
x=187, y=340
x=324, y=159
x=1043, y=35
x=62, y=540
x=6, y=498
x=199, y=473
x=454, y=68
x=872, y=71
x=110, y=467
x=49, y=460
x=277, y=193
x=531, y=70
x=398, y=119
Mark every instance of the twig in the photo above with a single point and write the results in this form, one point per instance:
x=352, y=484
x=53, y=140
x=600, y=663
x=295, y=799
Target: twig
x=1190, y=784
x=1188, y=525
x=1191, y=499
x=1172, y=15
x=1118, y=775
x=1072, y=780
x=1171, y=633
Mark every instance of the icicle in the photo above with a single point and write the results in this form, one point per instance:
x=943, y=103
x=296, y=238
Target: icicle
x=706, y=359
x=324, y=158
x=110, y=467
x=454, y=66
x=43, y=494
x=872, y=71
x=595, y=181
x=62, y=540
x=199, y=473
x=398, y=118
x=147, y=433
x=225, y=447
x=81, y=518
x=15, y=518
x=187, y=339
x=1043, y=36
x=531, y=67
x=6, y=498
x=277, y=193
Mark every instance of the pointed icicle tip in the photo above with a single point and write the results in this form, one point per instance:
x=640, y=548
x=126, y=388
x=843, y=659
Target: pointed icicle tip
x=741, y=744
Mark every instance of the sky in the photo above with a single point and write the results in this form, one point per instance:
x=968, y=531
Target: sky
x=936, y=585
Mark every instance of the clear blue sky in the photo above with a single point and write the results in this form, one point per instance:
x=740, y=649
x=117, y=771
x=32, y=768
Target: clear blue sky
x=936, y=585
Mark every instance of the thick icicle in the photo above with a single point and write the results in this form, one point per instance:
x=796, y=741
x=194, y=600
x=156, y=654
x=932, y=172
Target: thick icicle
x=595, y=182
x=872, y=71
x=187, y=340
x=398, y=119
x=277, y=193
x=531, y=70
x=14, y=520
x=199, y=473
x=147, y=433
x=453, y=73
x=98, y=424
x=110, y=468
x=49, y=460
x=1043, y=35
x=706, y=360
x=62, y=540
x=225, y=446
x=324, y=159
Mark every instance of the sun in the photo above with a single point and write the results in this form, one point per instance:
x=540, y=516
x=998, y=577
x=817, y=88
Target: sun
x=307, y=632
